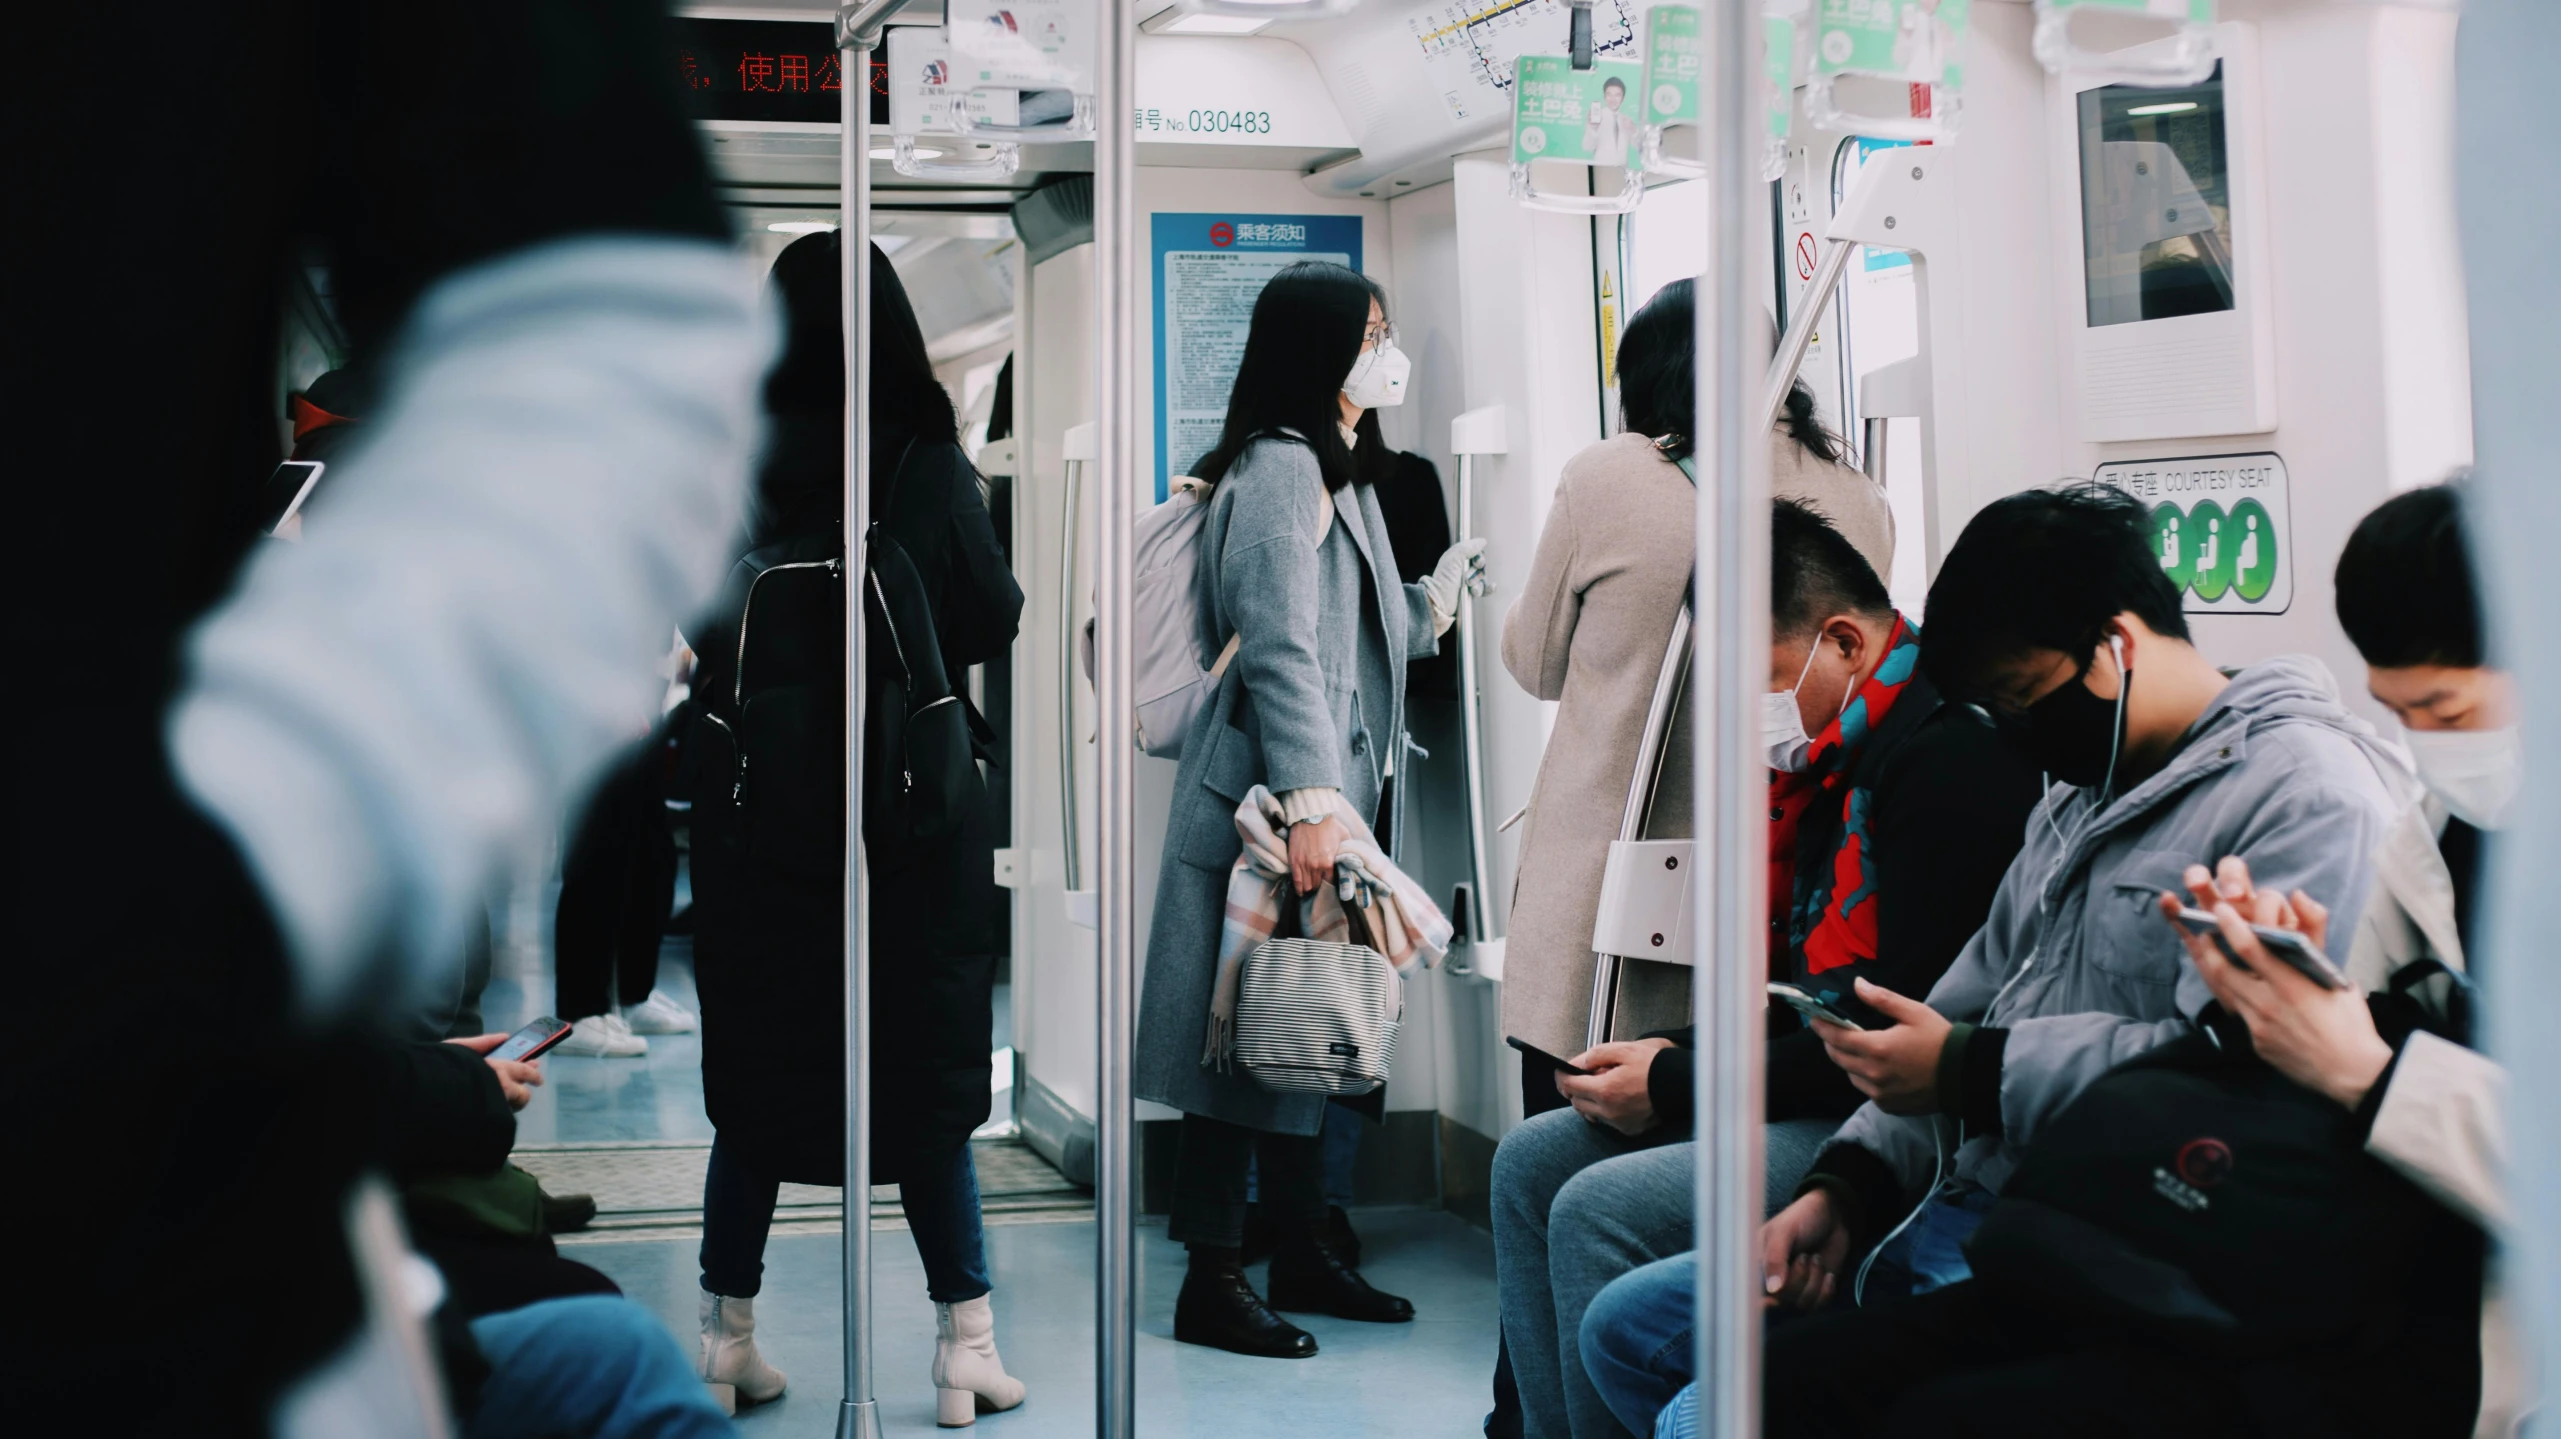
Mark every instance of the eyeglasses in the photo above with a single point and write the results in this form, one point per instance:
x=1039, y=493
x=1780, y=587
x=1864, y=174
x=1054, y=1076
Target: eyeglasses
x=1379, y=336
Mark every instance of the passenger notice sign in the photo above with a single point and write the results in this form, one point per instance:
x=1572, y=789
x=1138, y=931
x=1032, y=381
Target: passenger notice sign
x=1208, y=271
x=2222, y=528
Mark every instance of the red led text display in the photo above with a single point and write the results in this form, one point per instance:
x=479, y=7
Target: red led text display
x=769, y=70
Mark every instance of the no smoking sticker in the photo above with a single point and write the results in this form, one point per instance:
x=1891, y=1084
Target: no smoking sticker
x=2221, y=528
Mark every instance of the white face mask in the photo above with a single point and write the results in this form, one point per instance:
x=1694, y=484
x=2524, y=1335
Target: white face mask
x=2477, y=772
x=1377, y=380
x=1783, y=738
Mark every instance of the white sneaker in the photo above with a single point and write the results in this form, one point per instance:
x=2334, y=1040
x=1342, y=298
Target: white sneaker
x=969, y=1380
x=659, y=1014
x=728, y=1359
x=603, y=1036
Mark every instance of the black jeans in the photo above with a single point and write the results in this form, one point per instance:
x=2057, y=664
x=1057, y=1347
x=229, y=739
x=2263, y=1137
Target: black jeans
x=1209, y=1182
x=617, y=884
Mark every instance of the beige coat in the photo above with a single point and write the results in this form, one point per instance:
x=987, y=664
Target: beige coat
x=2440, y=1122
x=1589, y=631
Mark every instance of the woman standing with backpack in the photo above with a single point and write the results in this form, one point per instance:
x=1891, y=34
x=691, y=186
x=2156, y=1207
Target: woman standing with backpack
x=1295, y=564
x=769, y=857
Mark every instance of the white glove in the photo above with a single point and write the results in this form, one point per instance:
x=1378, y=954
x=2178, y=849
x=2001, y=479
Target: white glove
x=1459, y=564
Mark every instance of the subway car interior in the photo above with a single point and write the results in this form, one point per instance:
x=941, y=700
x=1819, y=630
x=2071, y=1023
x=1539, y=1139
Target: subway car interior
x=1911, y=268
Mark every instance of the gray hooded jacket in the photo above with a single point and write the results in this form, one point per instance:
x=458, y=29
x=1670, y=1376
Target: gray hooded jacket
x=2074, y=960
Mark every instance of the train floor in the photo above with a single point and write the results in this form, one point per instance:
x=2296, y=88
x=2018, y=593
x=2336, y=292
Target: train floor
x=633, y=1132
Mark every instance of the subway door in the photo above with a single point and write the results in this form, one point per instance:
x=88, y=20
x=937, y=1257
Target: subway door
x=1055, y=948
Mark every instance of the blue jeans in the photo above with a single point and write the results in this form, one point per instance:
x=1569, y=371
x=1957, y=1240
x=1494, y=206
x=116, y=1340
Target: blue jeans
x=597, y=1367
x=1637, y=1340
x=1637, y=1333
x=942, y=1214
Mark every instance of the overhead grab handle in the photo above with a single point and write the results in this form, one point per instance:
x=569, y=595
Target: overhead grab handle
x=1674, y=55
x=1273, y=11
x=1584, y=118
x=920, y=107
x=2145, y=52
x=1917, y=45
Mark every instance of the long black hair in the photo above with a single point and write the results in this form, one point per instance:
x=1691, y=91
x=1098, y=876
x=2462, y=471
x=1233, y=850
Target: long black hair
x=801, y=484
x=1308, y=325
x=1658, y=380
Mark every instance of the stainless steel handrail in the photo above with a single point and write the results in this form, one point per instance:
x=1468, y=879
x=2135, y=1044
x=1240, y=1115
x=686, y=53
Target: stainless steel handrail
x=858, y=30
x=1642, y=784
x=1068, y=824
x=1471, y=731
x=1732, y=592
x=1115, y=516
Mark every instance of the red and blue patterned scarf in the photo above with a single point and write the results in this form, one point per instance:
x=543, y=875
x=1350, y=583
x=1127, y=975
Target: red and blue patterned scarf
x=1836, y=914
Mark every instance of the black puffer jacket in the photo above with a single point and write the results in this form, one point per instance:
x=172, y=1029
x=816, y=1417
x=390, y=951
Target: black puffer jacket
x=768, y=946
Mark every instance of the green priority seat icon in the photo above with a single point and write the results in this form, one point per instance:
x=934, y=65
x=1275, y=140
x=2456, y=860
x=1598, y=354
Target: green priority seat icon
x=2210, y=552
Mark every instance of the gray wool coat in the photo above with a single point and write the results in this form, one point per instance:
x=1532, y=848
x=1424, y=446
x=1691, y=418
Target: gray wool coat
x=1315, y=697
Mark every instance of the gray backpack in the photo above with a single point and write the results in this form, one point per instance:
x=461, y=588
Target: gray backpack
x=1176, y=674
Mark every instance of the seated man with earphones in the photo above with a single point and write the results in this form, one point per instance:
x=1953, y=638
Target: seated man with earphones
x=2053, y=613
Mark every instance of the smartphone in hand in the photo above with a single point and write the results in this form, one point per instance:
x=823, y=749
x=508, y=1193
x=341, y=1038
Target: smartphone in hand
x=1529, y=1051
x=1812, y=1008
x=534, y=1040
x=2285, y=944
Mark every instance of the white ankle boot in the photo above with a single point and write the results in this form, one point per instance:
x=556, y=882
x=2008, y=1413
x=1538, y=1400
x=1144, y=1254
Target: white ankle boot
x=728, y=1358
x=969, y=1379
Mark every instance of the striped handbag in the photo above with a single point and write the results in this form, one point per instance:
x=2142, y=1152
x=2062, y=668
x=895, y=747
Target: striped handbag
x=1318, y=1016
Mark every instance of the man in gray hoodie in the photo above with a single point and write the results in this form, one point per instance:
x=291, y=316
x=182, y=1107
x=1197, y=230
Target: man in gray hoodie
x=2046, y=612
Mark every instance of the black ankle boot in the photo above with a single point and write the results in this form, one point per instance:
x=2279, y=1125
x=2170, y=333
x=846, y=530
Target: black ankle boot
x=1219, y=1308
x=1311, y=1276
x=1338, y=1227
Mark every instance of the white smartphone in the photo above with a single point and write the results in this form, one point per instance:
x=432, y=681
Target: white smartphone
x=1812, y=1008
x=287, y=489
x=2285, y=944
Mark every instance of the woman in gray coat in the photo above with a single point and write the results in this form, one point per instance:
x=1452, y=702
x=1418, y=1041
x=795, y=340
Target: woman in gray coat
x=1295, y=566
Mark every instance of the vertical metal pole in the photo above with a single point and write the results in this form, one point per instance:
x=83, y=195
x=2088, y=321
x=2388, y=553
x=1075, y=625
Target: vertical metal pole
x=1115, y=248
x=857, y=32
x=1471, y=717
x=1732, y=590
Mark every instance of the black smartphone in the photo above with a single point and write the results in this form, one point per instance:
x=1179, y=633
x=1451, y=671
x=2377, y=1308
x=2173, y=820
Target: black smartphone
x=2285, y=944
x=287, y=490
x=1812, y=1008
x=1531, y=1051
x=534, y=1040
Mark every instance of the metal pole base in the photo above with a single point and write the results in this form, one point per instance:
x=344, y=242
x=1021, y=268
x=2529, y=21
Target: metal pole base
x=858, y=1419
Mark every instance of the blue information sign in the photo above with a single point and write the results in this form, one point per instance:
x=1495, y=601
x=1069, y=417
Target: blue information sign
x=1207, y=271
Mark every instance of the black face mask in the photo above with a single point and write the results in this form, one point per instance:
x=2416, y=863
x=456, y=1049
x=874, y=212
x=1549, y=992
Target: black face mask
x=2072, y=734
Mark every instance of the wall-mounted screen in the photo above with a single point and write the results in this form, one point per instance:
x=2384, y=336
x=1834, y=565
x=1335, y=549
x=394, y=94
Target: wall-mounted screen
x=2156, y=202
x=768, y=70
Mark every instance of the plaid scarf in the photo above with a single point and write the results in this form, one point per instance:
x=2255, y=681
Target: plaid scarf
x=1403, y=923
x=1832, y=918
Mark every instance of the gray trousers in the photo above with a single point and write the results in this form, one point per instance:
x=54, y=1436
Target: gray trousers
x=1576, y=1205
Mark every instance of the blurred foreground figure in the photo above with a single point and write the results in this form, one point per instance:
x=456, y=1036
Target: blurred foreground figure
x=275, y=778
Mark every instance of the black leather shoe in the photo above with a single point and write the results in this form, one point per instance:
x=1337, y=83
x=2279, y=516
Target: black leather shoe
x=1219, y=1308
x=1312, y=1277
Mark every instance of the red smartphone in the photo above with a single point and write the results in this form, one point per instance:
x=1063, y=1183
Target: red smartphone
x=534, y=1040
